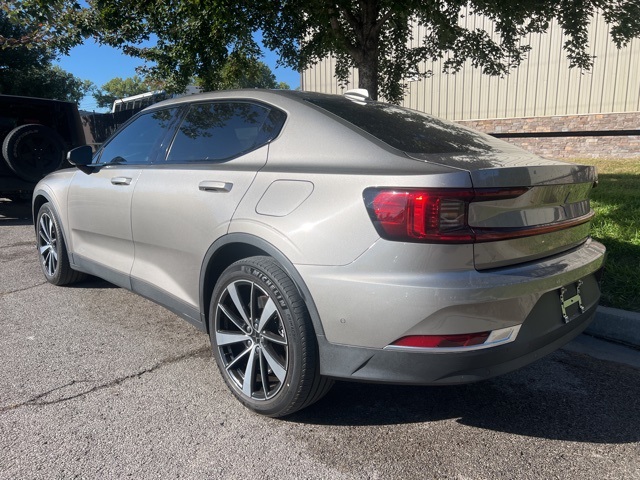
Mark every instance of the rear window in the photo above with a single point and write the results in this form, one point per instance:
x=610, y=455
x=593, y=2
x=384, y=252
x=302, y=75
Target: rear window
x=407, y=130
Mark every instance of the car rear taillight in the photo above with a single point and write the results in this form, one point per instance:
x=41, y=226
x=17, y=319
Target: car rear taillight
x=420, y=215
x=428, y=215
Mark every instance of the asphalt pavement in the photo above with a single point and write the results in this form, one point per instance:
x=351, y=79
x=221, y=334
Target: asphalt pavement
x=97, y=382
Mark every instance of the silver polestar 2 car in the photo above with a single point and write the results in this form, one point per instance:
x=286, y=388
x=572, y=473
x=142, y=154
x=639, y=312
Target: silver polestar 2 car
x=318, y=237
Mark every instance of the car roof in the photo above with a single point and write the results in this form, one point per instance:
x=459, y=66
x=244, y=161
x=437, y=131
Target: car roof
x=276, y=97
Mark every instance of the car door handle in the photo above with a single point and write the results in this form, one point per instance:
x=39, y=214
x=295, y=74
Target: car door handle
x=121, y=180
x=211, y=186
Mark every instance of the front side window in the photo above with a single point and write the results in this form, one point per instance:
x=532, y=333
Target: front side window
x=138, y=142
x=213, y=132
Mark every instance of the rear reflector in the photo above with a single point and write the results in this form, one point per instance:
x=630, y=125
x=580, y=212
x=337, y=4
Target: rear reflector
x=442, y=341
x=458, y=342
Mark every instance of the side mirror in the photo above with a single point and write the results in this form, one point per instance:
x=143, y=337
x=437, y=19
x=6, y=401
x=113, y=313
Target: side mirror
x=80, y=156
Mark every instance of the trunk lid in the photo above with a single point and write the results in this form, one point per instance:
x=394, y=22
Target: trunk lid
x=551, y=217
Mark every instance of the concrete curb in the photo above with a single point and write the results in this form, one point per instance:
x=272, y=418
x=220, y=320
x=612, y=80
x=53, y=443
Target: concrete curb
x=616, y=325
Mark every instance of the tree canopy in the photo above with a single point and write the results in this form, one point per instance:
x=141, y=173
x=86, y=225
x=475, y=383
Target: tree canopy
x=373, y=35
x=196, y=38
x=30, y=72
x=239, y=71
x=117, y=88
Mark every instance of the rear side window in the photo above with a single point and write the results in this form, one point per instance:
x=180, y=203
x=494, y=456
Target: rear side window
x=407, y=130
x=139, y=141
x=218, y=131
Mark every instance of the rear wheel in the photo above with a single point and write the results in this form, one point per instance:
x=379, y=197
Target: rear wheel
x=52, y=250
x=263, y=340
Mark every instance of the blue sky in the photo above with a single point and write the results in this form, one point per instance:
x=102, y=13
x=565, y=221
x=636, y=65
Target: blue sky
x=100, y=64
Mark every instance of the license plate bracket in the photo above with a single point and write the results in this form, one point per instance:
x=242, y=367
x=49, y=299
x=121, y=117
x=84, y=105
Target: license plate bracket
x=571, y=301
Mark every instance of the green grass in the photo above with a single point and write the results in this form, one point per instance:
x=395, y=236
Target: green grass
x=616, y=202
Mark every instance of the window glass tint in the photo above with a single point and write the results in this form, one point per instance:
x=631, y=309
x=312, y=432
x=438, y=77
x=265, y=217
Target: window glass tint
x=138, y=142
x=218, y=131
x=404, y=129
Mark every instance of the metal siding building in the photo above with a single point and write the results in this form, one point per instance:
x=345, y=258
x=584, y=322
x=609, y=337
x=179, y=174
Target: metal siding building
x=543, y=85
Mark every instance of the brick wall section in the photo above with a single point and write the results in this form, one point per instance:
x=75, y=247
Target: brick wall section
x=625, y=146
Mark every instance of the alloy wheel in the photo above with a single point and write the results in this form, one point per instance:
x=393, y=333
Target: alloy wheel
x=47, y=244
x=251, y=339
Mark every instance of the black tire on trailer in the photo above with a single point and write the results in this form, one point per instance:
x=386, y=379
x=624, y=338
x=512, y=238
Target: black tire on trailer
x=263, y=339
x=32, y=151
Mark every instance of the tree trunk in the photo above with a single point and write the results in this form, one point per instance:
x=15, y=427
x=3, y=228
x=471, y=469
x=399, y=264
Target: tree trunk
x=368, y=73
x=360, y=39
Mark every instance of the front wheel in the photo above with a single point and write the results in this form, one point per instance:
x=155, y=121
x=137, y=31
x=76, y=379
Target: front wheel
x=263, y=340
x=52, y=250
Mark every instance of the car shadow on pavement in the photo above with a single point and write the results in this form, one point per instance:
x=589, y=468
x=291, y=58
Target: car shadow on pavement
x=566, y=396
x=15, y=213
x=93, y=283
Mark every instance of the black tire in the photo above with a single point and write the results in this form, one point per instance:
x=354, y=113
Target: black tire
x=32, y=151
x=52, y=250
x=260, y=325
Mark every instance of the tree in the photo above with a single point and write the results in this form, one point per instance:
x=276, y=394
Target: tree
x=239, y=71
x=373, y=35
x=29, y=71
x=45, y=82
x=196, y=38
x=117, y=88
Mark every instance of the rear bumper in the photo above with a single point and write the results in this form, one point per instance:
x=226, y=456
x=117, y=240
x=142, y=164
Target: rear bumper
x=543, y=332
x=396, y=291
